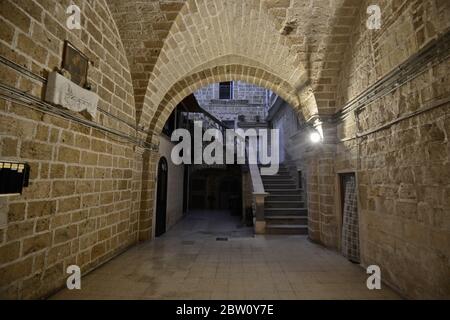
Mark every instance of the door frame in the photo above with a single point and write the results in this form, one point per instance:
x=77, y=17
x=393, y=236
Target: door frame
x=155, y=204
x=339, y=211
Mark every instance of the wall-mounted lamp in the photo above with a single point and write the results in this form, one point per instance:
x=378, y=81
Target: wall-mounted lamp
x=315, y=136
x=316, y=132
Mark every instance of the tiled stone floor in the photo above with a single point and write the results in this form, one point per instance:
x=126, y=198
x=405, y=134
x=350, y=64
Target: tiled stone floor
x=188, y=263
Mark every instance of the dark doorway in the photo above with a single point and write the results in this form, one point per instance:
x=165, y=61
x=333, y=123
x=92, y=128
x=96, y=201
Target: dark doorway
x=230, y=195
x=161, y=198
x=216, y=189
x=186, y=189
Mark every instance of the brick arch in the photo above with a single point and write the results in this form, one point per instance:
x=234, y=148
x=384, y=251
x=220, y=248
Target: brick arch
x=213, y=32
x=144, y=27
x=303, y=102
x=227, y=72
x=316, y=33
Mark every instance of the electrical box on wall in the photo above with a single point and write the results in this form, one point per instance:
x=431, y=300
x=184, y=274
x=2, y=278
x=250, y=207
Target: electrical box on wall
x=14, y=177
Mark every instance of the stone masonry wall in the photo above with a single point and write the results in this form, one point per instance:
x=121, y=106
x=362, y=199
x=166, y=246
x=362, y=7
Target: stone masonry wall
x=403, y=175
x=403, y=171
x=91, y=193
x=248, y=100
x=83, y=201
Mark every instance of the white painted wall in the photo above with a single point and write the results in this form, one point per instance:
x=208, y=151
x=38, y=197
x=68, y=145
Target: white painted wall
x=174, y=184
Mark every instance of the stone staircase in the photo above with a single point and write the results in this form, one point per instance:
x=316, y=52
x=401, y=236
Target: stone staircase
x=284, y=210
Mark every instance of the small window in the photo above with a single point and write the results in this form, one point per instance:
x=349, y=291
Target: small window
x=229, y=124
x=226, y=90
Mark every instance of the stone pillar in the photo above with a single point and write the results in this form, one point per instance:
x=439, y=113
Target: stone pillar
x=146, y=214
x=313, y=198
x=322, y=219
x=260, y=221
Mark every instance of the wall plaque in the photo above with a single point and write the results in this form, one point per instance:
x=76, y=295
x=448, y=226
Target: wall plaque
x=63, y=92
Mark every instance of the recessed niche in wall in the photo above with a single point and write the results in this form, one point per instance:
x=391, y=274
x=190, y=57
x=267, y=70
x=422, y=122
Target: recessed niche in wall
x=13, y=177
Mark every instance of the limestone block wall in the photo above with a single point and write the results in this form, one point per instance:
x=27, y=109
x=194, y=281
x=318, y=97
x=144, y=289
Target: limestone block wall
x=231, y=110
x=143, y=41
x=402, y=170
x=83, y=201
x=407, y=26
x=241, y=91
x=248, y=100
x=286, y=121
x=403, y=177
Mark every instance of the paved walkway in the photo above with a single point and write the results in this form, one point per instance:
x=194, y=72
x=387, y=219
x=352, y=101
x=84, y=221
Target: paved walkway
x=189, y=263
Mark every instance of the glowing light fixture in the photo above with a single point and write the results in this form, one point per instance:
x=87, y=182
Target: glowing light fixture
x=315, y=137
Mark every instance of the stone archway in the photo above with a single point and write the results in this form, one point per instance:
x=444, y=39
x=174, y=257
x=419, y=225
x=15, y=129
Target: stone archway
x=232, y=72
x=302, y=102
x=240, y=38
x=212, y=40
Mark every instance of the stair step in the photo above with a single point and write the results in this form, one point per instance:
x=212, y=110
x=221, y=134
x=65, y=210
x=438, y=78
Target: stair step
x=287, y=229
x=285, y=211
x=283, y=192
x=278, y=179
x=284, y=204
x=280, y=169
x=279, y=175
x=281, y=182
x=289, y=220
x=276, y=198
x=279, y=186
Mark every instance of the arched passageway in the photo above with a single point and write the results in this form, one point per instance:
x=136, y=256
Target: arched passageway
x=371, y=75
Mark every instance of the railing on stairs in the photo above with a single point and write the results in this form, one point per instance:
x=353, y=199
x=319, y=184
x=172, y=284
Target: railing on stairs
x=258, y=192
x=259, y=195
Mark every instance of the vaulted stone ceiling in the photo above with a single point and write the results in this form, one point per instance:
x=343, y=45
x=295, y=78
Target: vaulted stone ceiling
x=316, y=31
x=319, y=31
x=143, y=26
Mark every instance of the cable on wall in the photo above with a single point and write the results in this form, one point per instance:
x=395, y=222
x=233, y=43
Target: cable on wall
x=30, y=74
x=435, y=53
x=23, y=98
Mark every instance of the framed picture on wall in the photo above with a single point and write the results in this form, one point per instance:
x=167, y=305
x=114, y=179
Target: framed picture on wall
x=76, y=63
